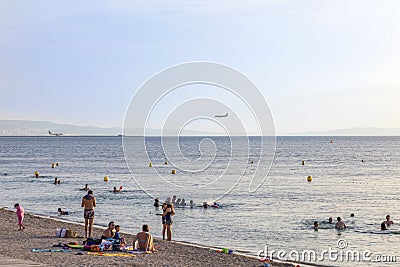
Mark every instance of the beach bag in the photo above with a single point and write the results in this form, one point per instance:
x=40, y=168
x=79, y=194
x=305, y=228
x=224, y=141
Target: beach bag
x=70, y=234
x=92, y=241
x=61, y=232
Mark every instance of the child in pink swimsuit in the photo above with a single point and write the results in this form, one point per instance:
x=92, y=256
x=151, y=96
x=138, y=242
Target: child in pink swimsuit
x=20, y=215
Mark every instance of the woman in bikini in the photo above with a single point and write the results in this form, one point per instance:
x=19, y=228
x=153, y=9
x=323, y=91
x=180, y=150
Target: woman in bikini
x=145, y=239
x=109, y=232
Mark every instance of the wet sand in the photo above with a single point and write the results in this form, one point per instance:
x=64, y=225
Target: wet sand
x=40, y=233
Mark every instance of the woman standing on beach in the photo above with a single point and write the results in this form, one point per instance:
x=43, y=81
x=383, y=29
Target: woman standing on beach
x=20, y=215
x=168, y=212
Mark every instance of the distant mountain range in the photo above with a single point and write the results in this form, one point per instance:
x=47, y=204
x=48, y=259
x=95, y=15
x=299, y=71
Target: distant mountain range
x=41, y=128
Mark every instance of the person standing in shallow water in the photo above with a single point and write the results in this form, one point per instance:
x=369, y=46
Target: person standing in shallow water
x=88, y=203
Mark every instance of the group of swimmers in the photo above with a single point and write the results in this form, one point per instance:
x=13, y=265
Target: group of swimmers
x=340, y=225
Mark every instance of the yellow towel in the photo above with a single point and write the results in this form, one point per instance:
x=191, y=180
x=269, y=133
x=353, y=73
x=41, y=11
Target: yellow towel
x=111, y=254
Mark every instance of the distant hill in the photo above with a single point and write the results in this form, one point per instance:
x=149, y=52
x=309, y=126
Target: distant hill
x=37, y=128
x=357, y=131
x=41, y=128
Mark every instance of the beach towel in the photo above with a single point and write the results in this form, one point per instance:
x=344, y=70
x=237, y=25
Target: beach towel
x=49, y=250
x=110, y=254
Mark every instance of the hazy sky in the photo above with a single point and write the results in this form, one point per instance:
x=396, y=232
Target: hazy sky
x=320, y=64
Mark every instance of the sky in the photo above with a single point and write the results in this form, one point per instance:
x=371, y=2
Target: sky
x=319, y=64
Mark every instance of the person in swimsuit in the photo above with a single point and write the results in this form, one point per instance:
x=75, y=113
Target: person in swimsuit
x=62, y=212
x=388, y=222
x=340, y=224
x=88, y=203
x=86, y=188
x=156, y=203
x=316, y=226
x=20, y=216
x=168, y=213
x=145, y=239
x=164, y=224
x=383, y=226
x=109, y=232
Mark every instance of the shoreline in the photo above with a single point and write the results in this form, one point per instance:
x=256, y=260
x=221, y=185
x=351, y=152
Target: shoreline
x=40, y=233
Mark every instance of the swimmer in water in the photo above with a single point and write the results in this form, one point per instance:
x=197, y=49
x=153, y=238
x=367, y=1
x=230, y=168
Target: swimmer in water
x=383, y=226
x=315, y=226
x=340, y=224
x=205, y=205
x=61, y=212
x=352, y=215
x=388, y=222
x=55, y=180
x=86, y=188
x=116, y=190
x=191, y=204
x=156, y=203
x=330, y=220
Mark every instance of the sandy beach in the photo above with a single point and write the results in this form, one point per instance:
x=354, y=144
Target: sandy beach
x=40, y=233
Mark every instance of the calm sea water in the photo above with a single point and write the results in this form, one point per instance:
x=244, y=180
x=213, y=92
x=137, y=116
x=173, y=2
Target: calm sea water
x=279, y=214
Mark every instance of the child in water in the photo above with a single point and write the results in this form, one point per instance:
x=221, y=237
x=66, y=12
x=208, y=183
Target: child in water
x=20, y=216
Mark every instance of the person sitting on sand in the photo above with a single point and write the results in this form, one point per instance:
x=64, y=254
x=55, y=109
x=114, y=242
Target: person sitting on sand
x=330, y=220
x=388, y=222
x=383, y=226
x=86, y=188
x=117, y=235
x=61, y=212
x=145, y=240
x=340, y=224
x=109, y=232
x=315, y=226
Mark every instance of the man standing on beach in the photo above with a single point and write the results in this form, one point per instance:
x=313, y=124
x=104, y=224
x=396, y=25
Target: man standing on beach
x=88, y=202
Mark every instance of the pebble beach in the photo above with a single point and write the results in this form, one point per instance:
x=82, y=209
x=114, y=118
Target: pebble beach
x=40, y=234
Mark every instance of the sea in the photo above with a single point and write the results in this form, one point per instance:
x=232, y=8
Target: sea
x=274, y=217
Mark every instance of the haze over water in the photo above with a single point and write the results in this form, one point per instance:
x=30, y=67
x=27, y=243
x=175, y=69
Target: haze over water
x=279, y=214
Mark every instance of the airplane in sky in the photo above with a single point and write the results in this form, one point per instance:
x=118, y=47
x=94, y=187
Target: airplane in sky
x=221, y=116
x=55, y=134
